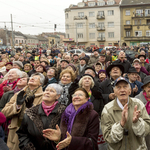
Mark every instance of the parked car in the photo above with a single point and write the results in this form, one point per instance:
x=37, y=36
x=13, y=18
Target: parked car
x=78, y=51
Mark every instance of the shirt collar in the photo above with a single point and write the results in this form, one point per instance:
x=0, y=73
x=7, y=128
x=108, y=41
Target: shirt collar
x=120, y=105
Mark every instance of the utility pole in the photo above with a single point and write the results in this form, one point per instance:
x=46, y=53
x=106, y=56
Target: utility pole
x=12, y=31
x=6, y=35
x=76, y=36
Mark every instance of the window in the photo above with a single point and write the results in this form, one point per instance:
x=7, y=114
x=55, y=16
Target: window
x=127, y=12
x=90, y=4
x=102, y=35
x=101, y=25
x=28, y=41
x=137, y=22
x=67, y=35
x=101, y=13
x=147, y=12
x=101, y=44
x=19, y=41
x=139, y=12
x=16, y=41
x=127, y=21
x=81, y=14
x=80, y=25
x=110, y=2
x=22, y=41
x=80, y=35
x=109, y=44
x=25, y=41
x=138, y=33
x=67, y=26
x=110, y=24
x=110, y=34
x=91, y=25
x=128, y=33
x=148, y=33
x=92, y=35
x=66, y=15
x=148, y=21
x=100, y=3
x=92, y=44
x=91, y=14
x=110, y=12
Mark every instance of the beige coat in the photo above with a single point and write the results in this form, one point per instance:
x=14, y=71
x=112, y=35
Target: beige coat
x=93, y=60
x=10, y=111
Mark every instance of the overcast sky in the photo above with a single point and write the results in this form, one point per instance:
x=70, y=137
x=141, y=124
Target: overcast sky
x=34, y=16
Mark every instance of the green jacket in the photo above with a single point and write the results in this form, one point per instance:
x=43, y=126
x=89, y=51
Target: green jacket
x=114, y=133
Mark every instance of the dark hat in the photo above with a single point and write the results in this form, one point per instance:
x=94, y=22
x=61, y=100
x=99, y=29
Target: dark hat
x=96, y=50
x=98, y=63
x=132, y=70
x=90, y=68
x=65, y=61
x=75, y=55
x=104, y=71
x=120, y=79
x=114, y=65
x=146, y=81
x=2, y=118
x=9, y=63
x=87, y=75
x=73, y=67
x=31, y=59
x=102, y=55
x=141, y=56
x=83, y=58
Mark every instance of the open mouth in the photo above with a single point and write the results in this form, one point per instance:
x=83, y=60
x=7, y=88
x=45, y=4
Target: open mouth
x=122, y=94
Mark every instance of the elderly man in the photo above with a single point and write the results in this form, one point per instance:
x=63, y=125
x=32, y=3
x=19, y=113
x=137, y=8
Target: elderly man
x=31, y=95
x=114, y=71
x=93, y=58
x=125, y=63
x=125, y=121
x=75, y=60
x=68, y=58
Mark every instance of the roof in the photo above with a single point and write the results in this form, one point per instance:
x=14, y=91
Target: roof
x=28, y=36
x=41, y=38
x=17, y=33
x=51, y=35
x=134, y=2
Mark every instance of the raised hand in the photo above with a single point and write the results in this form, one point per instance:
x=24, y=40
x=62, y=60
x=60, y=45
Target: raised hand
x=124, y=115
x=29, y=101
x=20, y=98
x=136, y=114
x=52, y=134
x=65, y=142
x=112, y=96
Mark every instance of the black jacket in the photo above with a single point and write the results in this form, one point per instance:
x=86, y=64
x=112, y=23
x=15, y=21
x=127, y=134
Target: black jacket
x=35, y=121
x=142, y=75
x=5, y=99
x=106, y=88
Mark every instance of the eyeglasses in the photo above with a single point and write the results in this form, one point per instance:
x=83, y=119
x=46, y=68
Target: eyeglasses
x=35, y=78
x=80, y=95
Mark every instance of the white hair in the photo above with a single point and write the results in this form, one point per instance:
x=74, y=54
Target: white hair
x=57, y=87
x=19, y=73
x=42, y=77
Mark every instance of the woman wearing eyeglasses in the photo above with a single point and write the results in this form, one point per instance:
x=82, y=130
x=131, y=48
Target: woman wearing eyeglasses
x=79, y=126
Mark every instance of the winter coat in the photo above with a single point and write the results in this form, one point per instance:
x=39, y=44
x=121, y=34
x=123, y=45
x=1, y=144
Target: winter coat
x=83, y=70
x=84, y=131
x=10, y=111
x=34, y=122
x=5, y=99
x=5, y=84
x=142, y=75
x=50, y=82
x=141, y=97
x=132, y=135
x=106, y=88
x=3, y=145
x=93, y=60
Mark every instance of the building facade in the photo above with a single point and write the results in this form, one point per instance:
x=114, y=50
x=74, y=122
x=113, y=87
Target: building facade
x=93, y=23
x=135, y=22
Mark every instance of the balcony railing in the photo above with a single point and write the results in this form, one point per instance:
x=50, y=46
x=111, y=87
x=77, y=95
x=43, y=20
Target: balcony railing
x=100, y=16
x=80, y=17
x=137, y=38
x=100, y=28
x=101, y=39
x=139, y=14
x=128, y=27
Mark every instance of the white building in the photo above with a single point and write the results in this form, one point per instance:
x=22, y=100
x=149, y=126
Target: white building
x=93, y=23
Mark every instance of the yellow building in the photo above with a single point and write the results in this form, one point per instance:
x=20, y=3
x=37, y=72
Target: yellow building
x=135, y=22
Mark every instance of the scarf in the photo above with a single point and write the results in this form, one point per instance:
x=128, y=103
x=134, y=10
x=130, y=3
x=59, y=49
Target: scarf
x=90, y=94
x=70, y=114
x=64, y=96
x=16, y=89
x=48, y=109
x=7, y=70
x=11, y=84
x=148, y=102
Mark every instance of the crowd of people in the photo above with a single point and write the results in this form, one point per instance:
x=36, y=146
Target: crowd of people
x=53, y=100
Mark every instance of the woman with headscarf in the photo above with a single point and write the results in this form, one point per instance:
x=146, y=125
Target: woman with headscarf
x=79, y=126
x=43, y=116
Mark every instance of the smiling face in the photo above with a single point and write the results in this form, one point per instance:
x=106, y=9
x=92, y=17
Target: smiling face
x=50, y=95
x=78, y=99
x=122, y=91
x=12, y=75
x=9, y=66
x=66, y=78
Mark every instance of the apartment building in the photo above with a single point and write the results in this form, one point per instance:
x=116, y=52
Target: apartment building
x=135, y=22
x=93, y=23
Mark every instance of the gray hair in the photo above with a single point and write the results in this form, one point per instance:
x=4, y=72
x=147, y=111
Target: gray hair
x=81, y=80
x=57, y=87
x=42, y=77
x=128, y=85
x=19, y=73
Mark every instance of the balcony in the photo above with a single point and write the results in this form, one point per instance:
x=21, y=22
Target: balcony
x=68, y=40
x=100, y=16
x=101, y=39
x=80, y=17
x=137, y=38
x=128, y=27
x=100, y=28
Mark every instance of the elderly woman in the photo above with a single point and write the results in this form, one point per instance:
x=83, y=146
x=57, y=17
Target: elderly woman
x=31, y=95
x=27, y=68
x=102, y=75
x=67, y=77
x=14, y=76
x=144, y=96
x=79, y=126
x=43, y=116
